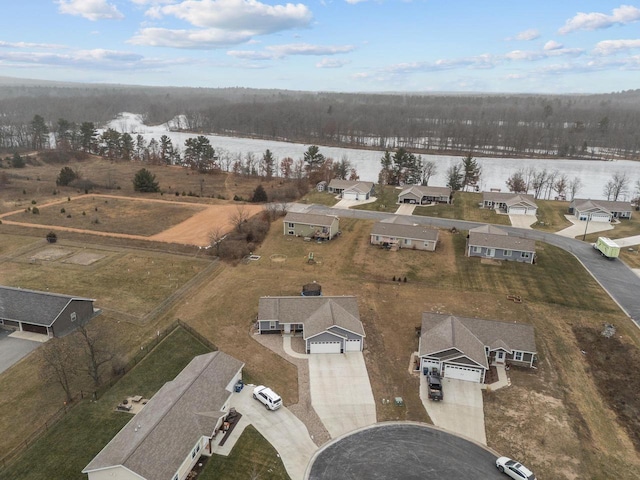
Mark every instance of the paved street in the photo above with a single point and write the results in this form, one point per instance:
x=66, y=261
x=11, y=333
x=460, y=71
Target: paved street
x=622, y=284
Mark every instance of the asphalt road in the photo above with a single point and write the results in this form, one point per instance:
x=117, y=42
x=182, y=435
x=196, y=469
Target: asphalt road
x=613, y=275
x=407, y=451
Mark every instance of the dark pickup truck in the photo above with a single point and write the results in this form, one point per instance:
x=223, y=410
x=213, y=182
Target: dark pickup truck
x=434, y=386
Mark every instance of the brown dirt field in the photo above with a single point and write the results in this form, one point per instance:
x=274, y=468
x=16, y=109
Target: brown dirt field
x=196, y=229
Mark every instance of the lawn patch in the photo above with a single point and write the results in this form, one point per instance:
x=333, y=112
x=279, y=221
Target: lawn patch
x=465, y=206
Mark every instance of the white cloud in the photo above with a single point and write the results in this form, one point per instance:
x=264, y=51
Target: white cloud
x=99, y=59
x=281, y=51
x=622, y=15
x=331, y=63
x=552, y=45
x=236, y=15
x=29, y=45
x=353, y=2
x=90, y=9
x=220, y=23
x=526, y=35
x=610, y=47
x=250, y=54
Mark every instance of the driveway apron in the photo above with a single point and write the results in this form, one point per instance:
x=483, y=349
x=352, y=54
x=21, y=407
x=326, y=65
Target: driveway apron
x=281, y=428
x=460, y=412
x=340, y=392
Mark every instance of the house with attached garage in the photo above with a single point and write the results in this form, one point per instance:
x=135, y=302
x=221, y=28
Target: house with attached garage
x=312, y=225
x=510, y=203
x=464, y=348
x=599, y=210
x=175, y=428
x=327, y=324
x=400, y=232
x=491, y=242
x=351, y=189
x=51, y=314
x=424, y=195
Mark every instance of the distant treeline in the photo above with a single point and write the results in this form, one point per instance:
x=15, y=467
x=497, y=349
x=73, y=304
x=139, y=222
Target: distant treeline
x=581, y=126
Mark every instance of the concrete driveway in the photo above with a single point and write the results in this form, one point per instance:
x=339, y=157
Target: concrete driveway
x=340, y=392
x=579, y=226
x=13, y=349
x=352, y=203
x=281, y=428
x=523, y=221
x=460, y=412
x=406, y=209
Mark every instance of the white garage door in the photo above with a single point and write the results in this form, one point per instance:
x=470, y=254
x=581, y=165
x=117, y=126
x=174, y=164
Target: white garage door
x=325, y=347
x=354, y=345
x=517, y=211
x=463, y=373
x=599, y=217
x=531, y=211
x=350, y=195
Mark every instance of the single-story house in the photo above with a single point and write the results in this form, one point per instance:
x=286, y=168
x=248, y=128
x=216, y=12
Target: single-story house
x=176, y=426
x=404, y=234
x=311, y=225
x=351, y=189
x=423, y=195
x=51, y=314
x=599, y=210
x=510, y=203
x=327, y=324
x=464, y=348
x=489, y=241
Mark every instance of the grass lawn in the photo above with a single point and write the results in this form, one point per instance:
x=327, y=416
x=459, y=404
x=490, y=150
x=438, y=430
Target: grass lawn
x=551, y=215
x=465, y=207
x=386, y=200
x=320, y=198
x=114, y=215
x=252, y=457
x=65, y=449
x=626, y=228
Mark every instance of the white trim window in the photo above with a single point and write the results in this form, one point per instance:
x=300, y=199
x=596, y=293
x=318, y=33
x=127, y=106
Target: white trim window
x=292, y=225
x=476, y=249
x=517, y=356
x=525, y=255
x=508, y=253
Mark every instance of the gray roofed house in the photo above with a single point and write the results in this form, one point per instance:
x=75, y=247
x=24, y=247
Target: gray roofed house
x=327, y=324
x=510, y=203
x=599, y=210
x=311, y=225
x=351, y=189
x=464, y=348
x=423, y=194
x=488, y=241
x=405, y=234
x=51, y=314
x=168, y=436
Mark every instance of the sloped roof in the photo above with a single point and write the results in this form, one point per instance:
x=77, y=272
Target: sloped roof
x=500, y=239
x=608, y=206
x=317, y=314
x=521, y=200
x=426, y=191
x=310, y=219
x=349, y=184
x=158, y=439
x=441, y=332
x=401, y=228
x=505, y=197
x=360, y=187
x=491, y=229
x=31, y=306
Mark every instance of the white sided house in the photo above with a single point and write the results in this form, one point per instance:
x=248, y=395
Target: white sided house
x=327, y=324
x=599, y=210
x=464, y=348
x=311, y=225
x=510, y=203
x=167, y=437
x=351, y=189
x=404, y=234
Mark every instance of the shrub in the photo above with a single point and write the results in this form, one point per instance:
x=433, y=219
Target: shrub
x=144, y=181
x=259, y=195
x=51, y=237
x=62, y=210
x=35, y=210
x=33, y=202
x=66, y=176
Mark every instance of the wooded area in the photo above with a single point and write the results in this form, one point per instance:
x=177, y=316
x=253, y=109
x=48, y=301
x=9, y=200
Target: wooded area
x=568, y=126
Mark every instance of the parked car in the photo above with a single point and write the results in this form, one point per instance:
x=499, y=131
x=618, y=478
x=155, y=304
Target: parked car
x=270, y=399
x=435, y=386
x=514, y=469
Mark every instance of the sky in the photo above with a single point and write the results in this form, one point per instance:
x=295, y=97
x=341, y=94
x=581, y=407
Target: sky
x=493, y=46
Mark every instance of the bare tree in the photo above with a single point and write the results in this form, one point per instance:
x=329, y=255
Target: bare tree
x=429, y=170
x=560, y=186
x=216, y=235
x=620, y=185
x=575, y=186
x=60, y=364
x=96, y=349
x=240, y=216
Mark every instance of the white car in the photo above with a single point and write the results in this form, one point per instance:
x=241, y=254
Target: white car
x=514, y=469
x=270, y=399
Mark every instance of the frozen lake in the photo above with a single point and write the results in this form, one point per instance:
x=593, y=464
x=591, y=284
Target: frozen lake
x=495, y=171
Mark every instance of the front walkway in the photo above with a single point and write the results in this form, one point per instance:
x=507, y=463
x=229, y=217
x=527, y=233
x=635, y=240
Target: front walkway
x=628, y=241
x=578, y=227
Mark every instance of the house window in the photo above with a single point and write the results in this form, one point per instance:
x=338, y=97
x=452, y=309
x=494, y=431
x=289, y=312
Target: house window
x=477, y=249
x=426, y=244
x=517, y=356
x=291, y=232
x=176, y=477
x=193, y=453
x=272, y=325
x=407, y=241
x=292, y=225
x=377, y=238
x=525, y=255
x=507, y=253
x=74, y=317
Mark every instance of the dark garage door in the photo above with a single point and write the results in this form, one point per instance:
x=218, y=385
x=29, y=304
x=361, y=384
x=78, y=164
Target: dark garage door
x=34, y=328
